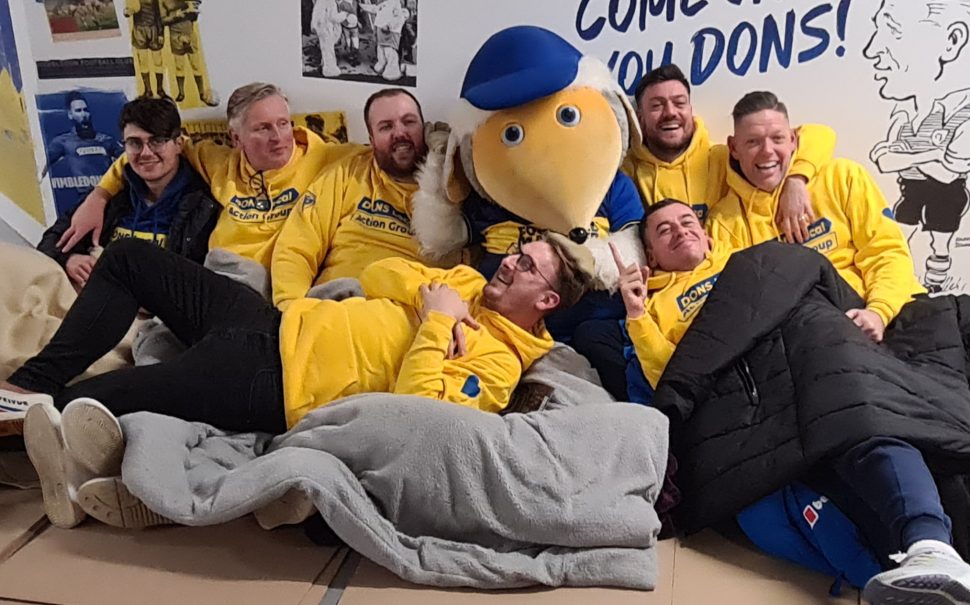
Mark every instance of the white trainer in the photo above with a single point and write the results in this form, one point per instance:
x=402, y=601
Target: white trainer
x=13, y=409
x=93, y=438
x=931, y=574
x=109, y=501
x=45, y=448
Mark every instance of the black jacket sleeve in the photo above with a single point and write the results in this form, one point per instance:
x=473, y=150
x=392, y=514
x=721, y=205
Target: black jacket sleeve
x=48, y=241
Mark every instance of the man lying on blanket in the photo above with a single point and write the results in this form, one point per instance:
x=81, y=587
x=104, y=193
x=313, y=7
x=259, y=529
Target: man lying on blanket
x=889, y=475
x=442, y=334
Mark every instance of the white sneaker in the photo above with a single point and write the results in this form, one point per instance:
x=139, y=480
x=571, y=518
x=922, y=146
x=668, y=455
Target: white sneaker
x=931, y=574
x=109, y=501
x=45, y=448
x=93, y=438
x=13, y=409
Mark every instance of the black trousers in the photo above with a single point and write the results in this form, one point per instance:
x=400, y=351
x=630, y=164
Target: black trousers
x=231, y=374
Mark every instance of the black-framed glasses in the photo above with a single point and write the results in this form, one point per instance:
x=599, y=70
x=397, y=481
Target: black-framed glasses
x=526, y=264
x=136, y=145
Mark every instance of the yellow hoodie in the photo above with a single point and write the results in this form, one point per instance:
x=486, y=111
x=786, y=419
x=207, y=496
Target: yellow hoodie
x=673, y=301
x=855, y=230
x=255, y=203
x=699, y=175
x=379, y=344
x=353, y=215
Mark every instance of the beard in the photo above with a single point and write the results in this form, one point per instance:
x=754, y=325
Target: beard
x=85, y=129
x=401, y=160
x=666, y=146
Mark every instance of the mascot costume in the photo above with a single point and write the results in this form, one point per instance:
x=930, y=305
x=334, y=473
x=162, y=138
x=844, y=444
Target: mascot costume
x=535, y=145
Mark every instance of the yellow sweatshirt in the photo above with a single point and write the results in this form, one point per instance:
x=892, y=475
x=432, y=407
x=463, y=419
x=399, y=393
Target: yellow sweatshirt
x=255, y=203
x=333, y=349
x=673, y=300
x=353, y=215
x=855, y=230
x=699, y=175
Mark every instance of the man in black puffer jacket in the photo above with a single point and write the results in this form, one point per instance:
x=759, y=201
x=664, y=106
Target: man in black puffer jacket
x=164, y=200
x=773, y=382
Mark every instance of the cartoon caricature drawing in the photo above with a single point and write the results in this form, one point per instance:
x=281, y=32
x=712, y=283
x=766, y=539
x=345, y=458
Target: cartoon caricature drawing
x=921, y=59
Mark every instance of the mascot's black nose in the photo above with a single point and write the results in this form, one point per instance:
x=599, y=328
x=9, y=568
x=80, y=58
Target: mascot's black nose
x=579, y=235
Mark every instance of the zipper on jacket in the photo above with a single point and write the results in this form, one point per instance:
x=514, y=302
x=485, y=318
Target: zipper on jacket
x=744, y=373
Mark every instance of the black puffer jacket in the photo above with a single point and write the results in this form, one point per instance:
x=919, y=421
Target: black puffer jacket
x=772, y=379
x=188, y=236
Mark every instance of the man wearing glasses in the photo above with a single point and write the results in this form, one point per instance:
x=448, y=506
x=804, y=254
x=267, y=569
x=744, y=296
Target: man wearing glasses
x=258, y=181
x=251, y=367
x=163, y=200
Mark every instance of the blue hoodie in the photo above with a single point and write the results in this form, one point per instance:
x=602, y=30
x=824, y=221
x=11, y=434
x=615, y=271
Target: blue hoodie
x=152, y=222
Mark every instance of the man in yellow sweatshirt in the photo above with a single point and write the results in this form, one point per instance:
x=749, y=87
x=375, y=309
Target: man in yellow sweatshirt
x=887, y=478
x=678, y=161
x=662, y=298
x=258, y=181
x=855, y=228
x=249, y=367
x=359, y=210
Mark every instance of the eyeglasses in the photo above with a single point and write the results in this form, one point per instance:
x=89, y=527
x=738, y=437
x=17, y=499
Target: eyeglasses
x=136, y=145
x=526, y=264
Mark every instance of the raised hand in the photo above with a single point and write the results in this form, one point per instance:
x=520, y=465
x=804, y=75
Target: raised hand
x=632, y=283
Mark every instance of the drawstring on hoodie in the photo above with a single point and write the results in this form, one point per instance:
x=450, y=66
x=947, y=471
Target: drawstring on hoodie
x=258, y=182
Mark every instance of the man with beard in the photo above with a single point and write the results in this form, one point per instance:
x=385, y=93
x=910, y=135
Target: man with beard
x=88, y=153
x=678, y=161
x=359, y=210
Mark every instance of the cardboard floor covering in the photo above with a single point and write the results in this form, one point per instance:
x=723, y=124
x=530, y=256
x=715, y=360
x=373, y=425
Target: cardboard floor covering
x=240, y=563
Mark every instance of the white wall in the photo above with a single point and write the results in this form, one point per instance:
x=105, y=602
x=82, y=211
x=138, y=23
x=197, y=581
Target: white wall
x=247, y=40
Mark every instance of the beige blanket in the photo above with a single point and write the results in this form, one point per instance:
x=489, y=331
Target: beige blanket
x=35, y=294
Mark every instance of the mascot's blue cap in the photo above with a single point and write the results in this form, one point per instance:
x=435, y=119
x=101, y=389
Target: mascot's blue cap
x=518, y=65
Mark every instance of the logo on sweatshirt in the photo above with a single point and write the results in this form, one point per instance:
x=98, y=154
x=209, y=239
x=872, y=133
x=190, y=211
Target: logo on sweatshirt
x=471, y=388
x=693, y=298
x=379, y=214
x=259, y=208
x=821, y=237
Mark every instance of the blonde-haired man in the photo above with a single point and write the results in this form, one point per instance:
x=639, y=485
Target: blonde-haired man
x=258, y=181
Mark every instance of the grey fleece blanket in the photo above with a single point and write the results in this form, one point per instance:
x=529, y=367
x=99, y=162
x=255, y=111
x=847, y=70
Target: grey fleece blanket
x=437, y=493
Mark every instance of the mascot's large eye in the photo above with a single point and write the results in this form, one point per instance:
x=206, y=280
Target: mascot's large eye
x=513, y=135
x=568, y=115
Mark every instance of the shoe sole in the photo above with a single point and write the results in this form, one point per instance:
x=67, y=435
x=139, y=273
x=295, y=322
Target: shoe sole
x=931, y=589
x=109, y=501
x=293, y=508
x=45, y=448
x=94, y=439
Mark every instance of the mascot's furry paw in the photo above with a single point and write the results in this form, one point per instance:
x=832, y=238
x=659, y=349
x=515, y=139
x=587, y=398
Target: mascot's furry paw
x=627, y=242
x=337, y=289
x=436, y=138
x=438, y=223
x=241, y=269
